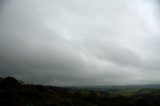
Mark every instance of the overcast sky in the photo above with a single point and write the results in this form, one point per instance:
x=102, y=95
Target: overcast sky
x=80, y=42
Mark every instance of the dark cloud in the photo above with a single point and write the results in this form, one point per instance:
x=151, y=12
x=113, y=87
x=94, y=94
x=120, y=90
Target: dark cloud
x=91, y=42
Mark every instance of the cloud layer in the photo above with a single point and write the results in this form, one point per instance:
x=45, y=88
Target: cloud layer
x=84, y=42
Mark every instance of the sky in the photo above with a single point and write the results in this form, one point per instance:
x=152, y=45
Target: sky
x=80, y=42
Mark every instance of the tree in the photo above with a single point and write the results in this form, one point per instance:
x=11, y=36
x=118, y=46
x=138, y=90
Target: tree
x=9, y=82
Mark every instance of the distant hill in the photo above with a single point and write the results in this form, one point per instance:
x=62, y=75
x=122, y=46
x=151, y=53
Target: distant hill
x=149, y=86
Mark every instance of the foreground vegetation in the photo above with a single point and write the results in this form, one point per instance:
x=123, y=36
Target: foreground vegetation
x=16, y=93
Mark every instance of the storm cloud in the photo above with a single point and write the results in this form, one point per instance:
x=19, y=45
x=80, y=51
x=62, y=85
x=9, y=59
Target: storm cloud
x=80, y=42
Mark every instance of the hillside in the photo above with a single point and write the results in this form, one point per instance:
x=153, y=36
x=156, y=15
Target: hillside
x=16, y=93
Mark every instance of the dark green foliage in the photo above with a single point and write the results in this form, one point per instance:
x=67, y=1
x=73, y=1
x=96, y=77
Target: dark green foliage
x=9, y=82
x=15, y=93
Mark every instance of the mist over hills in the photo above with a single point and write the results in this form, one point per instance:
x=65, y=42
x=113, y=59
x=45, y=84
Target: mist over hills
x=79, y=53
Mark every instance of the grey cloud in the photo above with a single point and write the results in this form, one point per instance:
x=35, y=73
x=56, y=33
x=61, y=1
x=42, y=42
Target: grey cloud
x=106, y=42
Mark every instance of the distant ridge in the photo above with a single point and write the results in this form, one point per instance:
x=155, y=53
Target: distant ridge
x=149, y=86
